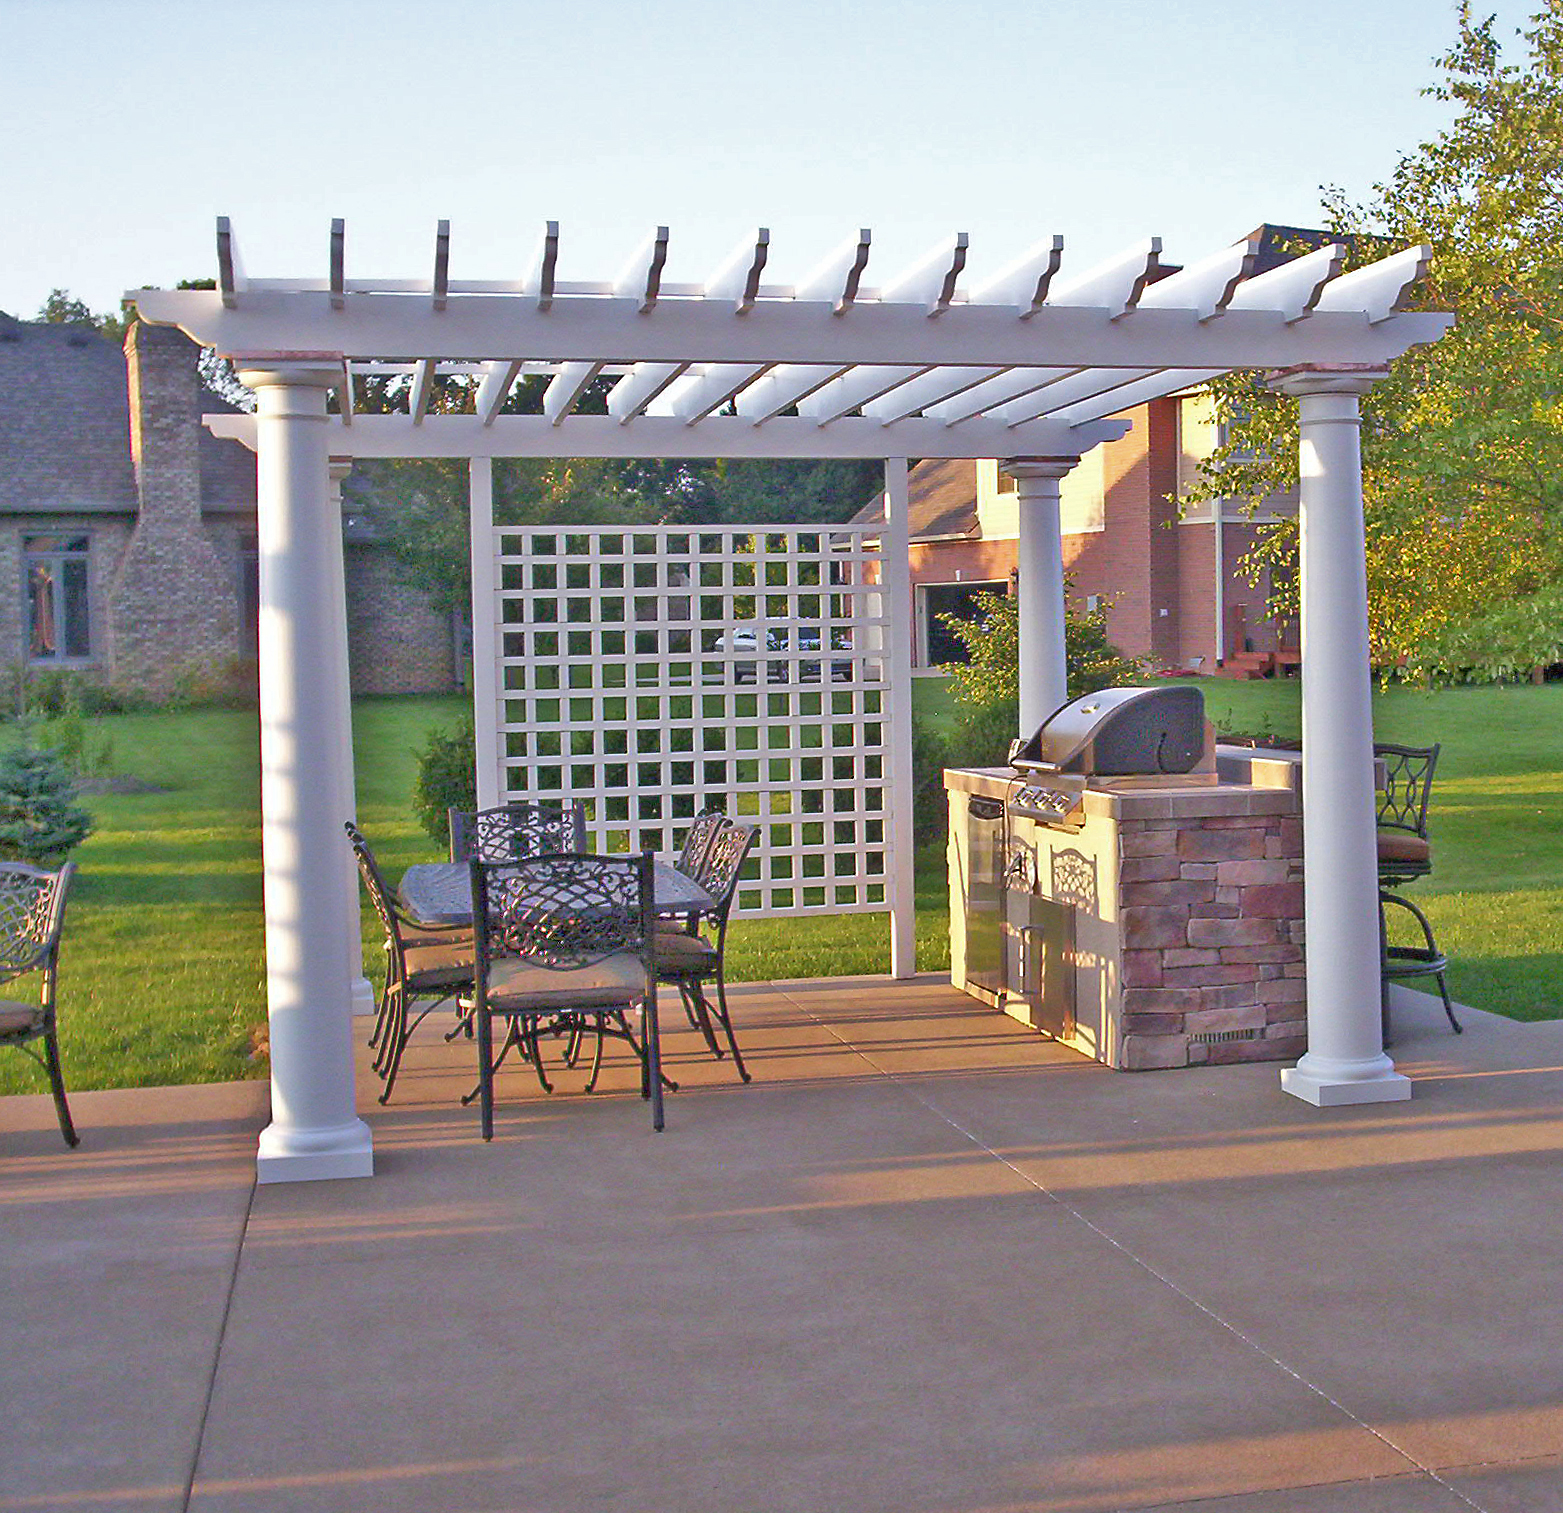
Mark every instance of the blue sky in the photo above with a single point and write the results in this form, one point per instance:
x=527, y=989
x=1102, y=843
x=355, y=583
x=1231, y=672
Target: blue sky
x=131, y=126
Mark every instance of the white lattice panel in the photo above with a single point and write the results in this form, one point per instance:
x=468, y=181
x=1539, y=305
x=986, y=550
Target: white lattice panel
x=654, y=673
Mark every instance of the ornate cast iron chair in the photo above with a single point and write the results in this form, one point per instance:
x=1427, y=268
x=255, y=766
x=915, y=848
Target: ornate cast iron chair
x=690, y=960
x=516, y=830
x=1404, y=852
x=32, y=912
x=564, y=942
x=422, y=962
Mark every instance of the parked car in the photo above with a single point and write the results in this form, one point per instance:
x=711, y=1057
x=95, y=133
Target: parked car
x=778, y=639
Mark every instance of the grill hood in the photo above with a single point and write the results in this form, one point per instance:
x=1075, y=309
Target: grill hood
x=1119, y=732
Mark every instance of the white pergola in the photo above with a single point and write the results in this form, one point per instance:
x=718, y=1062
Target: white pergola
x=1031, y=367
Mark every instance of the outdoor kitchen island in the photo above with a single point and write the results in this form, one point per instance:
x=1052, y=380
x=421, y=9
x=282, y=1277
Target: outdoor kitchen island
x=1155, y=922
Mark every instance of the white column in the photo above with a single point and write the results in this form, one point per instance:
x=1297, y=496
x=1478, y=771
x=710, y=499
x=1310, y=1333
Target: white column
x=1044, y=675
x=895, y=569
x=485, y=632
x=1345, y=1062
x=353, y=939
x=314, y=1131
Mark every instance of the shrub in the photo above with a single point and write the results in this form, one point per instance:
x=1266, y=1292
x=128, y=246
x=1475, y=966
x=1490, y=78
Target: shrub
x=986, y=689
x=231, y=683
x=447, y=777
x=40, y=820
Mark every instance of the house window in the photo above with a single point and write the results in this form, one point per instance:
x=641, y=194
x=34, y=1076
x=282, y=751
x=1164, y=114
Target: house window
x=57, y=619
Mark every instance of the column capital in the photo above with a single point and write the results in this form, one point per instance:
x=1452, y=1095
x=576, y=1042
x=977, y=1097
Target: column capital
x=339, y=469
x=1310, y=378
x=1038, y=467
x=271, y=370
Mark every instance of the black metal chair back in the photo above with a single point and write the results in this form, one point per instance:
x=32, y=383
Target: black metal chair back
x=32, y=920
x=725, y=858
x=517, y=830
x=697, y=841
x=561, y=911
x=1408, y=784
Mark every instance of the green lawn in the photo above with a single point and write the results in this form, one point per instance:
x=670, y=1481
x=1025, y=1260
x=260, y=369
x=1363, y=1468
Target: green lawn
x=162, y=974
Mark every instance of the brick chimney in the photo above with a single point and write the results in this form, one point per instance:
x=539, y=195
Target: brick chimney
x=174, y=602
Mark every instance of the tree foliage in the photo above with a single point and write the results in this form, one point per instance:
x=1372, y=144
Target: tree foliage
x=1463, y=444
x=986, y=689
x=62, y=308
x=40, y=820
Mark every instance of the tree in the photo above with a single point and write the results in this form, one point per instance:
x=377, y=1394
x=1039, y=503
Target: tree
x=40, y=820
x=419, y=507
x=62, y=308
x=1463, y=444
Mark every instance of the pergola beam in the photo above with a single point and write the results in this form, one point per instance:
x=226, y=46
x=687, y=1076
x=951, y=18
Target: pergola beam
x=653, y=436
x=596, y=329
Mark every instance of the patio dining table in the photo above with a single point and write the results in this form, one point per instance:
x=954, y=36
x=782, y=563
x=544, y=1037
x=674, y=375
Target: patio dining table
x=440, y=893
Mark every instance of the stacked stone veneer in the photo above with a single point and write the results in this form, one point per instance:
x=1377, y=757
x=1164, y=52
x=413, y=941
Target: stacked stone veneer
x=1186, y=898
x=1210, y=910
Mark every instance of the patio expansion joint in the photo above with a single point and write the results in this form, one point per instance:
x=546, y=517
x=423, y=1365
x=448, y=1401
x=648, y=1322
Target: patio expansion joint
x=217, y=1351
x=908, y=1091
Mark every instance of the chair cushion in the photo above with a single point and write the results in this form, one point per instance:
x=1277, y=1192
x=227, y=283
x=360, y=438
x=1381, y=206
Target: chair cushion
x=677, y=952
x=1402, y=846
x=452, y=937
x=516, y=984
x=444, y=966
x=18, y=1018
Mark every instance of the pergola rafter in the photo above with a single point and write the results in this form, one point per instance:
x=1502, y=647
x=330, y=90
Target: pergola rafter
x=1034, y=366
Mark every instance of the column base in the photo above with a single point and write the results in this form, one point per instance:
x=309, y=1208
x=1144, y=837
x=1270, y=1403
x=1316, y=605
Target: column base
x=288, y=1155
x=364, y=1000
x=1324, y=1090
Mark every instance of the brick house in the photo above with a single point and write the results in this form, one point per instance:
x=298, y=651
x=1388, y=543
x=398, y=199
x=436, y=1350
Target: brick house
x=127, y=531
x=1177, y=598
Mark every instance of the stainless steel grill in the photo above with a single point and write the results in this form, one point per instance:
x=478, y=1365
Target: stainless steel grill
x=1119, y=732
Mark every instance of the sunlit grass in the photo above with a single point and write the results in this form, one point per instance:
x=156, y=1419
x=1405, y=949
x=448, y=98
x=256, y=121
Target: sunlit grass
x=163, y=970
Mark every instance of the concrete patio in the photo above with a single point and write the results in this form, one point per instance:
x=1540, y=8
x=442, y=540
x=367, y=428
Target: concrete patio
x=927, y=1262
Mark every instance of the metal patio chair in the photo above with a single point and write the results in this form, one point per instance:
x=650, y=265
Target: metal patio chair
x=1404, y=852
x=563, y=944
x=512, y=831
x=689, y=960
x=32, y=914
x=423, y=963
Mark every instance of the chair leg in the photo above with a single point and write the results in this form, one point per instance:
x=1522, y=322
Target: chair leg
x=591, y=1081
x=699, y=1013
x=651, y=1064
x=1443, y=989
x=533, y=1047
x=485, y=1029
x=51, y=1052
x=727, y=1023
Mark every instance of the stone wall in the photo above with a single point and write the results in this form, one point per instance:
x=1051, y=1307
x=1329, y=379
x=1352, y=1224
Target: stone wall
x=1212, y=964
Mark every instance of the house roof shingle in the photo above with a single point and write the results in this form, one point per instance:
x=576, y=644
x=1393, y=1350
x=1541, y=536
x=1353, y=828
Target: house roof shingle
x=941, y=500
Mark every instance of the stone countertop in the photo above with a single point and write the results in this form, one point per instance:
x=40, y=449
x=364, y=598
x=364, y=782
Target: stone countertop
x=1246, y=782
